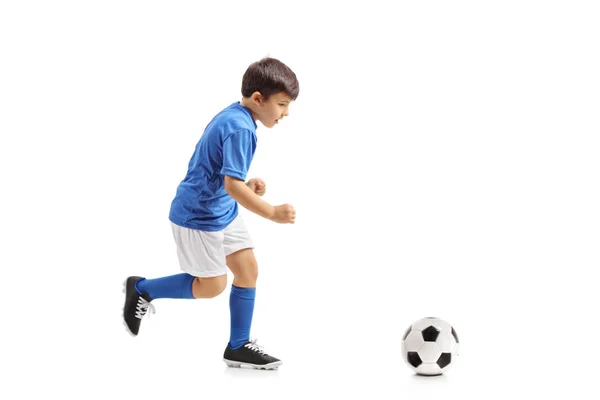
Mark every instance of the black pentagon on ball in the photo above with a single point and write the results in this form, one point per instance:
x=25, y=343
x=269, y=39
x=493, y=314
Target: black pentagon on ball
x=430, y=334
x=406, y=333
x=414, y=359
x=444, y=360
x=455, y=335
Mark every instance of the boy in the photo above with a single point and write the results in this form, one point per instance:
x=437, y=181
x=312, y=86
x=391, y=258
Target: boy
x=209, y=233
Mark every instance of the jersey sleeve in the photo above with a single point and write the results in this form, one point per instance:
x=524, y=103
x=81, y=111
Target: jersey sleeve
x=237, y=154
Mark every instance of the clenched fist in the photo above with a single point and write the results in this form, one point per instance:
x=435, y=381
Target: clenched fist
x=257, y=185
x=284, y=214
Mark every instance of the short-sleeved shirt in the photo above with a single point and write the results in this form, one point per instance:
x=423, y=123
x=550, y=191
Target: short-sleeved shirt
x=226, y=147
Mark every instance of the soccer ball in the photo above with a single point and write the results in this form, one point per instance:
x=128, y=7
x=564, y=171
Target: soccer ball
x=430, y=346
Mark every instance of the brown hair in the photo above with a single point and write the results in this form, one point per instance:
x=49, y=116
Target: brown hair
x=270, y=76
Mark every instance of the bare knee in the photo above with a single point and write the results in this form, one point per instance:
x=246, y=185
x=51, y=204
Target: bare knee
x=205, y=288
x=244, y=267
x=246, y=277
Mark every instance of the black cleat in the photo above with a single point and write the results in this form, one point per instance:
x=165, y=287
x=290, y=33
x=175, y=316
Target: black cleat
x=251, y=355
x=136, y=305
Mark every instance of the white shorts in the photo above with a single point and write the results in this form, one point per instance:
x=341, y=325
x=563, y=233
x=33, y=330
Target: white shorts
x=203, y=253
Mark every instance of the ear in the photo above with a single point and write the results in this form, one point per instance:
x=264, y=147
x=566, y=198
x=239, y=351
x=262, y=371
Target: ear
x=257, y=98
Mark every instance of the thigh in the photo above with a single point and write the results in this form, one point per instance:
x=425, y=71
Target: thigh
x=200, y=253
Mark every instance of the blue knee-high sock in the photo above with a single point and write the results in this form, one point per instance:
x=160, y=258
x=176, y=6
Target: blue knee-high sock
x=170, y=287
x=241, y=306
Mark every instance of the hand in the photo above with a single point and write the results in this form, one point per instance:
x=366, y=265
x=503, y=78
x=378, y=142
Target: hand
x=257, y=185
x=284, y=214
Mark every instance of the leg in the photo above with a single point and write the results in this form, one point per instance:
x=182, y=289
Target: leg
x=241, y=301
x=201, y=257
x=139, y=292
x=240, y=350
x=239, y=257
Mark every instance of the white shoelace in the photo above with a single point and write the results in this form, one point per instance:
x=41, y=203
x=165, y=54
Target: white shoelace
x=253, y=346
x=142, y=308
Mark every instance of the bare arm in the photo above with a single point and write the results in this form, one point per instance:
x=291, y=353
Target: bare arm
x=247, y=198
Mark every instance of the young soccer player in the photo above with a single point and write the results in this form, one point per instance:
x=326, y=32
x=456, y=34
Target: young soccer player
x=209, y=233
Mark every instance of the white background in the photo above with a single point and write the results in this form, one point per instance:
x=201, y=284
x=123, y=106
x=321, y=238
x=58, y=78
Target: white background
x=442, y=157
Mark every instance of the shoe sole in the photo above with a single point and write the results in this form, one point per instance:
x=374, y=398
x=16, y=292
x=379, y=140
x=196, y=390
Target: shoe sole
x=238, y=364
x=123, y=311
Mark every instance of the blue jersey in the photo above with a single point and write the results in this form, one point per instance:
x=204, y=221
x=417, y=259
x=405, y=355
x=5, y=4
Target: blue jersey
x=225, y=148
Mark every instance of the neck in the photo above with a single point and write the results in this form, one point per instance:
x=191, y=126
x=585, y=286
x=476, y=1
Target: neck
x=247, y=103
